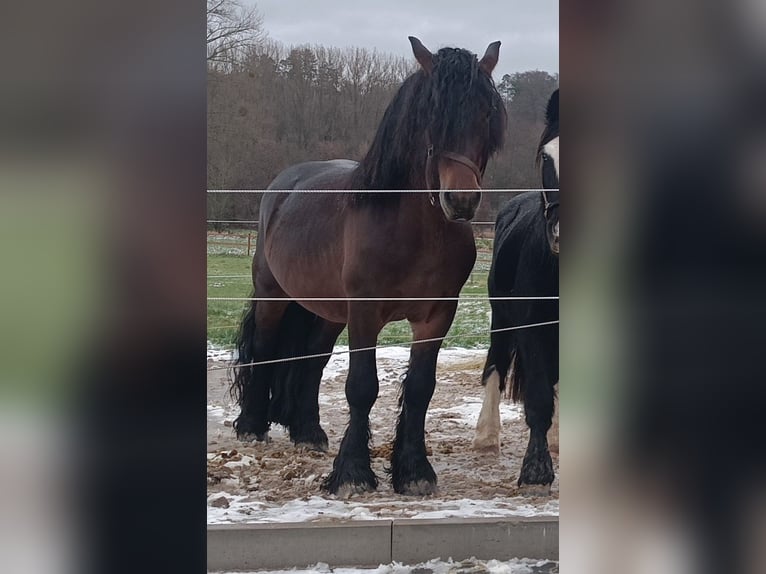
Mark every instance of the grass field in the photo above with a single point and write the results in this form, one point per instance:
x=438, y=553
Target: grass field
x=228, y=269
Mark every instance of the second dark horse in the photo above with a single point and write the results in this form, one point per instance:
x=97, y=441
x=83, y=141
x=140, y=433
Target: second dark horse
x=525, y=263
x=437, y=134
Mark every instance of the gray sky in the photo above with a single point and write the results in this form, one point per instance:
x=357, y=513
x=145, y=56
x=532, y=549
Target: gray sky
x=528, y=29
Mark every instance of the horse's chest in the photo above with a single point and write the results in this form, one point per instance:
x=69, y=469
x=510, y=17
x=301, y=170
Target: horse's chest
x=429, y=269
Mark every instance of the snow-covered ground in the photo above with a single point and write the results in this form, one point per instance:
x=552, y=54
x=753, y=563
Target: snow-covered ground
x=276, y=482
x=472, y=566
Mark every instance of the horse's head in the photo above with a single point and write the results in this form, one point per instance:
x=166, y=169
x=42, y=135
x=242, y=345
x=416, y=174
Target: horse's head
x=464, y=123
x=548, y=159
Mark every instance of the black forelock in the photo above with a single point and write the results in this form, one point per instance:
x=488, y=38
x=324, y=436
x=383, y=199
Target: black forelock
x=461, y=90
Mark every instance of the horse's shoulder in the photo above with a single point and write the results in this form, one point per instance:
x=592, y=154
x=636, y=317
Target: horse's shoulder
x=517, y=218
x=517, y=224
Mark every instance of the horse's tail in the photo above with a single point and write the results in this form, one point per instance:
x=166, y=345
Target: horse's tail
x=294, y=332
x=502, y=359
x=240, y=376
x=518, y=381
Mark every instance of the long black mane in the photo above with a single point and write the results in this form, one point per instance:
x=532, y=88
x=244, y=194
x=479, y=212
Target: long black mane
x=450, y=104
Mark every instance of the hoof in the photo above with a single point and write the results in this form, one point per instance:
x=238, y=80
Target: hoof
x=414, y=476
x=484, y=445
x=349, y=478
x=537, y=469
x=420, y=488
x=534, y=490
x=249, y=430
x=254, y=437
x=314, y=439
x=346, y=491
x=312, y=446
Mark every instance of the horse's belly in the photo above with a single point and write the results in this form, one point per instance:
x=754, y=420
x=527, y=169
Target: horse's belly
x=336, y=312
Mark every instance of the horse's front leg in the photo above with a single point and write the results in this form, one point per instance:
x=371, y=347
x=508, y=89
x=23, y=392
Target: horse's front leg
x=351, y=470
x=411, y=473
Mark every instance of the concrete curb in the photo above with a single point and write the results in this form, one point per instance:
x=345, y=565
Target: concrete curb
x=369, y=543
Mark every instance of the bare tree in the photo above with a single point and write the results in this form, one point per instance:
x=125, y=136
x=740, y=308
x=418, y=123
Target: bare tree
x=232, y=29
x=275, y=105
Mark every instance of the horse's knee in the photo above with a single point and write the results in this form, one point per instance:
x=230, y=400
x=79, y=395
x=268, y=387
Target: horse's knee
x=360, y=393
x=419, y=387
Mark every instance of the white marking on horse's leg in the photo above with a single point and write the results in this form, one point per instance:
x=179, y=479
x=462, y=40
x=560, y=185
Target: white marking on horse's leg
x=552, y=149
x=488, y=428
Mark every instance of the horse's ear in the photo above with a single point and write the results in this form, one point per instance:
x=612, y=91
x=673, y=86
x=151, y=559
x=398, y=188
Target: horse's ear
x=422, y=54
x=489, y=59
x=552, y=110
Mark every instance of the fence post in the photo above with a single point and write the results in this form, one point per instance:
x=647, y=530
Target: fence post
x=249, y=237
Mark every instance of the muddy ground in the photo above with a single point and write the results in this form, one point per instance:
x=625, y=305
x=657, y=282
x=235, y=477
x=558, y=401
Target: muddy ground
x=277, y=482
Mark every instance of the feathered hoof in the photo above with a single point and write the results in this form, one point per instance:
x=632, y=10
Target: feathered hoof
x=534, y=490
x=537, y=469
x=249, y=430
x=346, y=491
x=347, y=479
x=419, y=488
x=314, y=439
x=312, y=446
x=254, y=437
x=413, y=477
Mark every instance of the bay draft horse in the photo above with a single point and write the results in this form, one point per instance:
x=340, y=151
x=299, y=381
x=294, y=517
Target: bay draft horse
x=525, y=263
x=438, y=133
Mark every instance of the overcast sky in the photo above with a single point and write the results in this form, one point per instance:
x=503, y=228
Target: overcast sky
x=528, y=29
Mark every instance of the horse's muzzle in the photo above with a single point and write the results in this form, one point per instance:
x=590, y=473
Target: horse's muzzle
x=460, y=205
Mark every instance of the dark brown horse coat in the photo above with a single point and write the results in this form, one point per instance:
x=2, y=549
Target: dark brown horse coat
x=438, y=133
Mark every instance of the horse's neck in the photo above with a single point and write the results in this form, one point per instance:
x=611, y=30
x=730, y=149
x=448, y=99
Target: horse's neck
x=427, y=219
x=398, y=173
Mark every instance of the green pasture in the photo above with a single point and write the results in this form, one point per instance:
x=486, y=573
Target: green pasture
x=228, y=270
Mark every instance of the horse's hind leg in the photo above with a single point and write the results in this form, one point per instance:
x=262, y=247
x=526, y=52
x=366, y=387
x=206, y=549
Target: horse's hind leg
x=305, y=429
x=487, y=437
x=537, y=468
x=411, y=473
x=253, y=382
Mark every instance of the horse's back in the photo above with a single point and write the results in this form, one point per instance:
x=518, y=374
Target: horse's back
x=520, y=248
x=330, y=174
x=522, y=265
x=302, y=233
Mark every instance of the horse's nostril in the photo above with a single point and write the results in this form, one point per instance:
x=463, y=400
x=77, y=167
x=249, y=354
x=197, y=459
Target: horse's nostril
x=447, y=195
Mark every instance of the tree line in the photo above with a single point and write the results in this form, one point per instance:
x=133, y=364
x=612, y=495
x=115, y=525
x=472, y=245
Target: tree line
x=271, y=105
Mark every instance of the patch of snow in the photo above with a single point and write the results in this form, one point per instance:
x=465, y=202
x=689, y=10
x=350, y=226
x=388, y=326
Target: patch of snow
x=468, y=412
x=339, y=362
x=436, y=566
x=215, y=353
x=243, y=508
